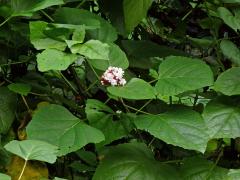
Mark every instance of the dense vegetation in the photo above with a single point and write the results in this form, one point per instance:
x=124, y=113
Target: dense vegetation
x=119, y=89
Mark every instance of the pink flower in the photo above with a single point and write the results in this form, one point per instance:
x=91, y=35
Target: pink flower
x=113, y=76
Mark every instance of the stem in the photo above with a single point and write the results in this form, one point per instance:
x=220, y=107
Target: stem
x=78, y=82
x=69, y=84
x=172, y=161
x=2, y=83
x=81, y=3
x=215, y=164
x=130, y=107
x=195, y=100
x=125, y=106
x=184, y=17
x=170, y=100
x=90, y=86
x=25, y=102
x=143, y=106
x=93, y=70
x=49, y=17
x=6, y=20
x=24, y=166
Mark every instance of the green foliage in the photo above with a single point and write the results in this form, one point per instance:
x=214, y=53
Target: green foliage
x=5, y=177
x=180, y=127
x=52, y=59
x=231, y=51
x=7, y=109
x=135, y=89
x=134, y=12
x=222, y=118
x=123, y=89
x=33, y=150
x=66, y=131
x=133, y=161
x=181, y=74
x=20, y=88
x=228, y=82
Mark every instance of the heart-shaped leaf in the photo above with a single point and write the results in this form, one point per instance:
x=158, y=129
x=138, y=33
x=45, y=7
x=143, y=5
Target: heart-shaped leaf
x=56, y=125
x=33, y=150
x=179, y=74
x=181, y=127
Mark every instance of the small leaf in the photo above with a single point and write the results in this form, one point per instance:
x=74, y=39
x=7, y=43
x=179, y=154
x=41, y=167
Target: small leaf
x=133, y=161
x=52, y=59
x=20, y=88
x=7, y=109
x=222, y=117
x=134, y=12
x=33, y=150
x=179, y=74
x=134, y=89
x=56, y=125
x=228, y=82
x=231, y=51
x=180, y=127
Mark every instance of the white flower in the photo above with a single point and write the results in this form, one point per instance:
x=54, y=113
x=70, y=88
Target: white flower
x=113, y=76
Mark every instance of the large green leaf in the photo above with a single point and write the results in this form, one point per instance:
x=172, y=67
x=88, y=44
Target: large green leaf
x=7, y=109
x=33, y=150
x=228, y=82
x=23, y=8
x=228, y=18
x=134, y=89
x=93, y=49
x=133, y=161
x=141, y=53
x=105, y=32
x=56, y=125
x=134, y=12
x=222, y=117
x=200, y=169
x=179, y=74
x=53, y=59
x=181, y=127
x=4, y=177
x=231, y=51
x=40, y=40
x=117, y=58
x=100, y=116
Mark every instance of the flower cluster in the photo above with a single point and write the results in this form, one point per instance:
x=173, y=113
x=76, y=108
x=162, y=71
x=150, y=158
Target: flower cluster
x=113, y=76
